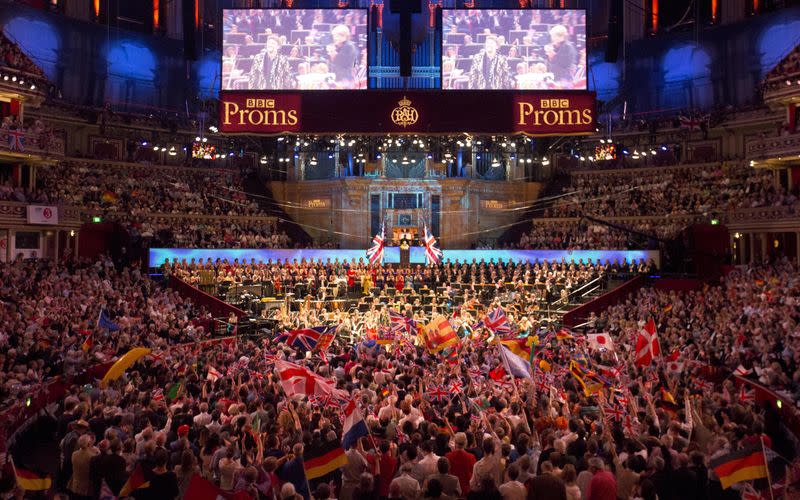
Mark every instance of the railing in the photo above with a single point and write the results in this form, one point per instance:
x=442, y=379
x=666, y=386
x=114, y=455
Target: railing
x=604, y=301
x=773, y=147
x=33, y=143
x=14, y=212
x=215, y=306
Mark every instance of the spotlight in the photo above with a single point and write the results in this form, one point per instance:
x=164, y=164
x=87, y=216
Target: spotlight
x=13, y=78
x=663, y=148
x=197, y=139
x=155, y=148
x=546, y=162
x=213, y=129
x=477, y=157
x=205, y=139
x=33, y=87
x=22, y=82
x=144, y=143
x=263, y=160
x=495, y=163
x=280, y=139
x=5, y=78
x=529, y=160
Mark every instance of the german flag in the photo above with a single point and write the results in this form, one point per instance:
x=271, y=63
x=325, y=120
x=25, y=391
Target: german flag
x=87, y=344
x=323, y=459
x=742, y=465
x=29, y=481
x=135, y=481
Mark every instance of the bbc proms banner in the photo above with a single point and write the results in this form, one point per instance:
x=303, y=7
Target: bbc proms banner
x=536, y=113
x=42, y=214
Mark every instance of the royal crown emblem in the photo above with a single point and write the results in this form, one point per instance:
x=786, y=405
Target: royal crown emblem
x=404, y=114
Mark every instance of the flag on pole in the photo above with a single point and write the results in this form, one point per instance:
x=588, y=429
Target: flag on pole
x=213, y=374
x=323, y=459
x=647, y=346
x=600, y=341
x=439, y=334
x=516, y=365
x=432, y=253
x=741, y=465
x=103, y=321
x=87, y=344
x=354, y=425
x=496, y=321
x=375, y=252
x=304, y=338
x=135, y=481
x=297, y=380
x=402, y=324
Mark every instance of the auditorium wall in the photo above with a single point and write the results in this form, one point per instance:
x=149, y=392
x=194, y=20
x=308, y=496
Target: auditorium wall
x=338, y=210
x=91, y=64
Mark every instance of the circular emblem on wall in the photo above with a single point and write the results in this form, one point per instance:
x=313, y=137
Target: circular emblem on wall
x=404, y=114
x=47, y=213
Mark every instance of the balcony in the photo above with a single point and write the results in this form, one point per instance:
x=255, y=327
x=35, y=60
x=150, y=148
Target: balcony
x=31, y=143
x=773, y=148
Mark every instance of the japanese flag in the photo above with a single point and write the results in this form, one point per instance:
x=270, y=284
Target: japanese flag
x=600, y=341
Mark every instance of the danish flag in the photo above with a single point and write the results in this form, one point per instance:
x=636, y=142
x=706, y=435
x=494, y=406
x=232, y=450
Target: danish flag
x=647, y=346
x=375, y=252
x=432, y=253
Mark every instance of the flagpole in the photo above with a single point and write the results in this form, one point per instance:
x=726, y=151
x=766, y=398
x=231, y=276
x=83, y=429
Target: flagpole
x=766, y=467
x=513, y=382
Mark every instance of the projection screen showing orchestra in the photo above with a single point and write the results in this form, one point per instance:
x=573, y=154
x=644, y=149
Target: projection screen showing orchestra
x=514, y=49
x=302, y=49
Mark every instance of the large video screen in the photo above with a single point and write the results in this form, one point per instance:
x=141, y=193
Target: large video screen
x=514, y=49
x=302, y=49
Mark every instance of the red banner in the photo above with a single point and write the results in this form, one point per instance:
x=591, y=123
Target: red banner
x=415, y=112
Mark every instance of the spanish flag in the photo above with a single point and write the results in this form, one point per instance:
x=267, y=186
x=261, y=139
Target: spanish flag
x=29, y=481
x=439, y=334
x=135, y=481
x=742, y=465
x=324, y=459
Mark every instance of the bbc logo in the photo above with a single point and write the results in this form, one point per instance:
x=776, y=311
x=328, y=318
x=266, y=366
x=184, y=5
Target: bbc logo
x=260, y=103
x=554, y=103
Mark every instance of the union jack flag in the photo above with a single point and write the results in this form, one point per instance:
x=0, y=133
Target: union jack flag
x=402, y=324
x=16, y=139
x=496, y=321
x=475, y=373
x=746, y=396
x=703, y=385
x=629, y=425
x=439, y=394
x=455, y=387
x=304, y=338
x=614, y=412
x=375, y=252
x=158, y=395
x=433, y=255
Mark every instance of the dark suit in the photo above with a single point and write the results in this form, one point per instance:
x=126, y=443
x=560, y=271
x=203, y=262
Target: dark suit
x=110, y=467
x=450, y=485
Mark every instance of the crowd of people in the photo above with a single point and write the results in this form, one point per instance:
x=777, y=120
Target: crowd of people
x=572, y=235
x=12, y=57
x=187, y=232
x=677, y=191
x=677, y=197
x=447, y=424
x=50, y=312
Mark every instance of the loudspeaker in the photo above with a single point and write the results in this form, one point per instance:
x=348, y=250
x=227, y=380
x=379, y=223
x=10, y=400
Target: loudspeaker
x=615, y=35
x=189, y=29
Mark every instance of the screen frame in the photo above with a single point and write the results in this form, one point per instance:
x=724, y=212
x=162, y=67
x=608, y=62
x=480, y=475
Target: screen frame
x=267, y=9
x=442, y=11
